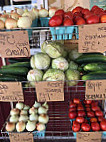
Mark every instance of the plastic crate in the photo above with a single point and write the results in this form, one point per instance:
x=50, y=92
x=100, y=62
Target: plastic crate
x=71, y=120
x=100, y=3
x=75, y=134
x=76, y=32
x=39, y=133
x=44, y=21
x=104, y=134
x=35, y=23
x=62, y=33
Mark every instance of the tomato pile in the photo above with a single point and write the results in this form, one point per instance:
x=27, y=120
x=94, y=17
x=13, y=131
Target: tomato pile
x=78, y=16
x=86, y=116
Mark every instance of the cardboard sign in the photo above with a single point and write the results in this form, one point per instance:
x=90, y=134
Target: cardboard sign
x=14, y=44
x=92, y=38
x=11, y=92
x=50, y=91
x=21, y=137
x=95, y=90
x=89, y=137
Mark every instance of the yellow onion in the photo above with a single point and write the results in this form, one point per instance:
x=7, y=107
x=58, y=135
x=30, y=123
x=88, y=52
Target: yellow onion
x=19, y=105
x=43, y=12
x=24, y=22
x=10, y=23
x=1, y=24
x=33, y=117
x=36, y=12
x=26, y=107
x=36, y=104
x=15, y=16
x=33, y=110
x=20, y=126
x=3, y=19
x=23, y=118
x=46, y=105
x=42, y=110
x=14, y=118
x=43, y=118
x=10, y=126
x=14, y=111
x=27, y=14
x=40, y=127
x=30, y=126
x=52, y=11
x=19, y=11
x=24, y=112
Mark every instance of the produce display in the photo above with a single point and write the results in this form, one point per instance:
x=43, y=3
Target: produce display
x=86, y=116
x=23, y=118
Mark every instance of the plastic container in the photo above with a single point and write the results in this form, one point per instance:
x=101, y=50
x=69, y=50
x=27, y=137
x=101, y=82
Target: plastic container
x=71, y=120
x=76, y=32
x=35, y=23
x=104, y=134
x=62, y=33
x=39, y=133
x=75, y=134
x=44, y=21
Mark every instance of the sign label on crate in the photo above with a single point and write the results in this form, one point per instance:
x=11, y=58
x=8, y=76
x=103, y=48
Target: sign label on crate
x=21, y=137
x=95, y=90
x=89, y=137
x=11, y=92
x=92, y=38
x=50, y=91
x=14, y=44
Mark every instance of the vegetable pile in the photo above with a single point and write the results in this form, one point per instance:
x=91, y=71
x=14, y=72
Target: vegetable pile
x=23, y=118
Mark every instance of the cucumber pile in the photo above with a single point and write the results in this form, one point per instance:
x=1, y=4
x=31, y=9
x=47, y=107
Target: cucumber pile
x=93, y=66
x=16, y=71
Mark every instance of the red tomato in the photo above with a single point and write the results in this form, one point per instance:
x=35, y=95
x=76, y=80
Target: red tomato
x=80, y=108
x=94, y=108
x=72, y=105
x=97, y=11
x=86, y=121
x=93, y=119
x=81, y=21
x=77, y=9
x=101, y=118
x=68, y=22
x=92, y=19
x=74, y=122
x=85, y=11
x=59, y=12
x=80, y=119
x=98, y=113
x=76, y=101
x=85, y=127
x=72, y=109
x=88, y=102
x=81, y=113
x=95, y=126
x=90, y=114
x=56, y=20
x=72, y=114
x=77, y=18
x=80, y=105
x=94, y=7
x=103, y=18
x=94, y=103
x=77, y=14
x=88, y=109
x=86, y=16
x=76, y=127
x=87, y=106
x=68, y=15
x=103, y=125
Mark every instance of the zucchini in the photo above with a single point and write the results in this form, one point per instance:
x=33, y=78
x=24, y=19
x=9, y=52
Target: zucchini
x=95, y=67
x=14, y=70
x=95, y=75
x=12, y=78
x=15, y=60
x=91, y=58
x=19, y=64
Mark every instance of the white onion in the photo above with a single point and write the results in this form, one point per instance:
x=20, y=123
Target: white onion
x=43, y=118
x=36, y=12
x=33, y=117
x=46, y=105
x=10, y=126
x=26, y=107
x=20, y=126
x=30, y=126
x=15, y=111
x=24, y=22
x=25, y=112
x=15, y=16
x=23, y=118
x=19, y=105
x=27, y=14
x=1, y=24
x=33, y=15
x=42, y=110
x=10, y=23
x=43, y=12
x=14, y=118
x=19, y=11
x=36, y=104
x=33, y=110
x=52, y=11
x=40, y=127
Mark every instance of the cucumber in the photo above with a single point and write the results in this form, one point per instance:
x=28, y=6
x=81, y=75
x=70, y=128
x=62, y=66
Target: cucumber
x=19, y=64
x=12, y=78
x=95, y=75
x=80, y=68
x=15, y=60
x=14, y=71
x=91, y=58
x=95, y=67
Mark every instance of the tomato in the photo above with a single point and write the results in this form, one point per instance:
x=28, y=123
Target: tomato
x=87, y=106
x=103, y=125
x=103, y=18
x=72, y=105
x=86, y=121
x=68, y=22
x=76, y=101
x=94, y=108
x=77, y=14
x=90, y=114
x=88, y=109
x=56, y=20
x=85, y=11
x=80, y=21
x=101, y=118
x=81, y=113
x=94, y=7
x=74, y=122
x=77, y=9
x=94, y=103
x=85, y=127
x=95, y=126
x=98, y=113
x=68, y=15
x=88, y=102
x=72, y=114
x=86, y=16
x=92, y=19
x=76, y=127
x=93, y=119
x=80, y=108
x=72, y=109
x=80, y=119
x=80, y=105
x=59, y=12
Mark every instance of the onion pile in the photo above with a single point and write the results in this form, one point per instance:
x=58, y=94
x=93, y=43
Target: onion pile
x=25, y=118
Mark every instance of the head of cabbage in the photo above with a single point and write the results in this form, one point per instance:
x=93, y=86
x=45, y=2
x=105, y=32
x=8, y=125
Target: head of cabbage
x=74, y=54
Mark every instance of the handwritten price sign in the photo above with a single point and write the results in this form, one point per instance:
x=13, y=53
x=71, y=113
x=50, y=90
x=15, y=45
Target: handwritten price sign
x=92, y=38
x=11, y=92
x=14, y=44
x=21, y=137
x=50, y=91
x=95, y=90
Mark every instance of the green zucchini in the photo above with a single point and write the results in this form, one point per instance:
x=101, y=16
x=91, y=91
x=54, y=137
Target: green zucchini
x=95, y=75
x=91, y=58
x=12, y=78
x=95, y=67
x=19, y=64
x=15, y=60
x=14, y=71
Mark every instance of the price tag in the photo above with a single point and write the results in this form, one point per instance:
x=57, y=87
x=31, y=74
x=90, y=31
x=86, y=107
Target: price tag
x=95, y=90
x=50, y=91
x=11, y=92
x=89, y=137
x=14, y=44
x=92, y=38
x=21, y=137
